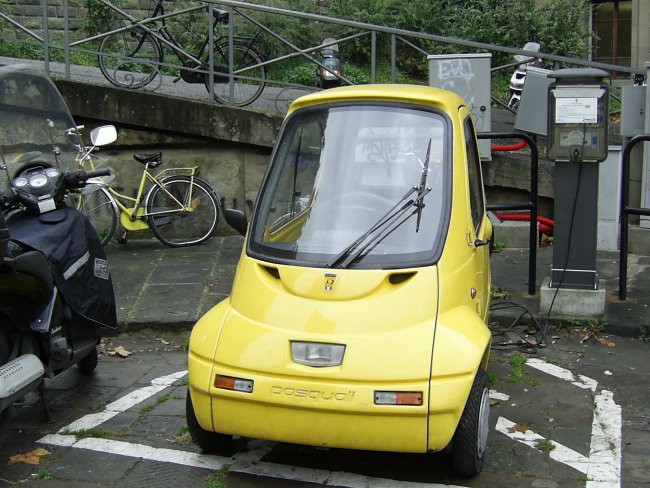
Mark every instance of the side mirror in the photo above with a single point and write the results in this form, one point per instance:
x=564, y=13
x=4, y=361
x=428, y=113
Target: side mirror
x=236, y=219
x=100, y=136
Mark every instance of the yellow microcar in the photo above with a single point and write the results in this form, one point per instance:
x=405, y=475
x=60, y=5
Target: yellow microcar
x=358, y=311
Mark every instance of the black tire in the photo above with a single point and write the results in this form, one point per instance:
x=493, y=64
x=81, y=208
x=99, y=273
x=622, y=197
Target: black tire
x=175, y=227
x=130, y=59
x=205, y=439
x=99, y=207
x=88, y=364
x=470, y=439
x=248, y=85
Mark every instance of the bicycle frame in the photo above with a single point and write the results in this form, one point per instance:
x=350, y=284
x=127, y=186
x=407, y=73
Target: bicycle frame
x=135, y=218
x=183, y=55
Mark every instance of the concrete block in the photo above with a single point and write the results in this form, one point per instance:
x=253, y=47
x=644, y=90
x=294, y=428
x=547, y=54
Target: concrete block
x=574, y=303
x=639, y=240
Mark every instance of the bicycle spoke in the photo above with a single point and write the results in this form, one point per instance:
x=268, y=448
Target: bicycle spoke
x=130, y=59
x=187, y=223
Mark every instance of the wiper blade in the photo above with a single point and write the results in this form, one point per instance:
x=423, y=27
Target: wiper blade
x=388, y=222
x=422, y=189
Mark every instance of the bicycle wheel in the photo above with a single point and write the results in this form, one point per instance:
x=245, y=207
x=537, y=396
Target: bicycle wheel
x=174, y=226
x=247, y=86
x=130, y=59
x=98, y=206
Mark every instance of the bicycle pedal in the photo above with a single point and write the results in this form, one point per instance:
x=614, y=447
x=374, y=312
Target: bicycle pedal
x=121, y=240
x=176, y=80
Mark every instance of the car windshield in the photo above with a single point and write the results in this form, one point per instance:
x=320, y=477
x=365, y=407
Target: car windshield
x=337, y=171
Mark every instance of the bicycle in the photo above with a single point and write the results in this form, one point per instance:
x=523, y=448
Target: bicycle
x=132, y=59
x=178, y=207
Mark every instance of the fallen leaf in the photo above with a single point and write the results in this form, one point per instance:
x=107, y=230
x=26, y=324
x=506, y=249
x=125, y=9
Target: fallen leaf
x=521, y=428
x=120, y=351
x=32, y=457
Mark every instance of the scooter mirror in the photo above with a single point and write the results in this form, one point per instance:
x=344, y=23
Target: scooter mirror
x=236, y=219
x=100, y=136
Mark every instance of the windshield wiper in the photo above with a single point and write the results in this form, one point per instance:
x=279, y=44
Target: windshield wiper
x=390, y=221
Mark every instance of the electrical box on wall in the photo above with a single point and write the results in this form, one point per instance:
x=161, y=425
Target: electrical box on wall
x=633, y=110
x=578, y=112
x=467, y=75
x=532, y=114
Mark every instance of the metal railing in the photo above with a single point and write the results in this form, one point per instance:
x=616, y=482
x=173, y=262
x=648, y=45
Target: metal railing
x=529, y=206
x=248, y=10
x=626, y=211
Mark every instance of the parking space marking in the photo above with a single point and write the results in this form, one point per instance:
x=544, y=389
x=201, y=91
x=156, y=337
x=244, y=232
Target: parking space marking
x=603, y=466
x=123, y=404
x=248, y=462
x=563, y=374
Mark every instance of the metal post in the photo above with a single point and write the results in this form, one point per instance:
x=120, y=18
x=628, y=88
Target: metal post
x=211, y=50
x=66, y=38
x=231, y=49
x=373, y=57
x=393, y=58
x=46, y=37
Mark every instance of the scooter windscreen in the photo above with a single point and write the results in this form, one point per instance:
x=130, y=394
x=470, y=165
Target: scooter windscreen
x=36, y=123
x=356, y=186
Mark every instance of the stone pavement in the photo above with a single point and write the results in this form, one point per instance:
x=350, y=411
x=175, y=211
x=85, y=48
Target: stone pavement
x=157, y=286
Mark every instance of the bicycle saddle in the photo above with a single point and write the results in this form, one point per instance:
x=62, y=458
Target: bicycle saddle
x=219, y=14
x=153, y=160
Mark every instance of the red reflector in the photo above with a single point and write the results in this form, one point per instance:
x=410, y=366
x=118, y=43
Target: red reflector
x=225, y=382
x=408, y=398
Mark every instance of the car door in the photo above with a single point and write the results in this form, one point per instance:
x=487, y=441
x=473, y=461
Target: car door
x=479, y=226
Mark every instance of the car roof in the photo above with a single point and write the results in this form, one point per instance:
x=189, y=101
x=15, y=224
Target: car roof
x=395, y=93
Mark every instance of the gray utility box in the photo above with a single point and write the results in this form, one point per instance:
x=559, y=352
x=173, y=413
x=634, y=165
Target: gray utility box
x=533, y=107
x=633, y=110
x=467, y=75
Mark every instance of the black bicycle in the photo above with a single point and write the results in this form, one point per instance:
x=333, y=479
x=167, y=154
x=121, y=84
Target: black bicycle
x=132, y=58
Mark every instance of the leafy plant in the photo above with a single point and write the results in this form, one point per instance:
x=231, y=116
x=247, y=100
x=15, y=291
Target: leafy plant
x=517, y=375
x=546, y=445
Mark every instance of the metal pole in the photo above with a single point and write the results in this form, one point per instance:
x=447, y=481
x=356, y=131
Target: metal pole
x=211, y=50
x=66, y=39
x=393, y=59
x=46, y=37
x=373, y=57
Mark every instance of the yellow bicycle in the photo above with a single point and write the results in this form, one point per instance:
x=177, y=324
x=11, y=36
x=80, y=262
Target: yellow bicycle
x=179, y=208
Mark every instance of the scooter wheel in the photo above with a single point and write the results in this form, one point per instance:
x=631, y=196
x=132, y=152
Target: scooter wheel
x=88, y=364
x=470, y=439
x=205, y=439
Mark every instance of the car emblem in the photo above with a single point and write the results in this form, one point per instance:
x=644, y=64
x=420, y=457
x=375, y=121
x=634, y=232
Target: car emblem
x=329, y=279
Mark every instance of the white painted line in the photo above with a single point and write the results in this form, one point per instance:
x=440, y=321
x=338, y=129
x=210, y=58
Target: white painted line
x=495, y=395
x=122, y=404
x=139, y=451
x=563, y=374
x=605, y=451
x=561, y=453
x=246, y=462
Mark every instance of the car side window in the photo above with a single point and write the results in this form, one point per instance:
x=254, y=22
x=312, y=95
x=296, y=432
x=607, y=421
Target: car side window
x=476, y=197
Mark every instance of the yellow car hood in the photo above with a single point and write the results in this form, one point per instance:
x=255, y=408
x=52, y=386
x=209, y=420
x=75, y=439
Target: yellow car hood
x=385, y=318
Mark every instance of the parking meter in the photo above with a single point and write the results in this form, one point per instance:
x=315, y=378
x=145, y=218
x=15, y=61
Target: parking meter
x=578, y=115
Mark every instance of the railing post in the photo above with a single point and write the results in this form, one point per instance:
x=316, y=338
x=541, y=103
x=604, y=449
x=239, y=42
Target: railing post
x=66, y=38
x=373, y=57
x=393, y=58
x=531, y=206
x=46, y=36
x=625, y=212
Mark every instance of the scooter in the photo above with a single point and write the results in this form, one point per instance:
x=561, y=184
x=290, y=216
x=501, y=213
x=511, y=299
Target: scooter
x=328, y=75
x=56, y=292
x=519, y=76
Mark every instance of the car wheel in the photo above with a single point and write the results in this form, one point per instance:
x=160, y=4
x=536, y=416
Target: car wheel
x=205, y=439
x=470, y=439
